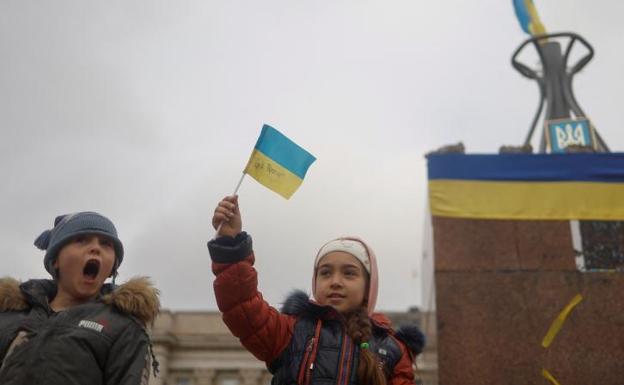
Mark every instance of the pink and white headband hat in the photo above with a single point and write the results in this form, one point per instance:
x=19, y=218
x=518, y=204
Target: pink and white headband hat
x=360, y=250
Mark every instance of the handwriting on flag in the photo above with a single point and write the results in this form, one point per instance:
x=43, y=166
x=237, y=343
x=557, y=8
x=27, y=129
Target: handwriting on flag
x=278, y=163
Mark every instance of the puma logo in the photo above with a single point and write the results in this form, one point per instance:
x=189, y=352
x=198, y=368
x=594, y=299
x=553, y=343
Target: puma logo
x=91, y=325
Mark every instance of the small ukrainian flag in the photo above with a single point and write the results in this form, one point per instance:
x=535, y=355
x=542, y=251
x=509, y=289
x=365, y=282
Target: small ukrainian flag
x=278, y=163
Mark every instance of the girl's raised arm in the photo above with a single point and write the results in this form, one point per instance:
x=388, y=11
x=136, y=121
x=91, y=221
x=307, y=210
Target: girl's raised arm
x=261, y=328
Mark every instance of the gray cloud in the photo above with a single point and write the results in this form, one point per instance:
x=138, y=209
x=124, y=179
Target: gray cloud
x=148, y=112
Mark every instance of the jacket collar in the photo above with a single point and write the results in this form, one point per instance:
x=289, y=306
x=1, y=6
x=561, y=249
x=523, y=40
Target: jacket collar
x=137, y=297
x=298, y=303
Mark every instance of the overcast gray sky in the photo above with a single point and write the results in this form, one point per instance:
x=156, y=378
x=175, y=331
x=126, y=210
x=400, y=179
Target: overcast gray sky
x=147, y=111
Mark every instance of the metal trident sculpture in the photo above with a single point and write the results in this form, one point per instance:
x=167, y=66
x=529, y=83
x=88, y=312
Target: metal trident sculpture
x=565, y=121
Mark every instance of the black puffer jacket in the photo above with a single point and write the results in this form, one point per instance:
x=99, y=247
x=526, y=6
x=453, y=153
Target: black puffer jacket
x=320, y=340
x=103, y=342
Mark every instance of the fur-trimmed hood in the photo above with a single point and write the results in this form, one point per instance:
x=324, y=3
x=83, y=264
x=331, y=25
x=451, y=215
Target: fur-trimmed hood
x=412, y=337
x=11, y=297
x=137, y=297
x=298, y=303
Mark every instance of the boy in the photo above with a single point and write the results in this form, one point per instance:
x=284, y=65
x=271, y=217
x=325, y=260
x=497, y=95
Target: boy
x=74, y=329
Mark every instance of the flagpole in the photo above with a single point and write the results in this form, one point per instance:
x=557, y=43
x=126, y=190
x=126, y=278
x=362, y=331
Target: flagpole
x=240, y=182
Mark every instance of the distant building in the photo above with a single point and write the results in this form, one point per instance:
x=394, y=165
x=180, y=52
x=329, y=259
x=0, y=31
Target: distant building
x=196, y=348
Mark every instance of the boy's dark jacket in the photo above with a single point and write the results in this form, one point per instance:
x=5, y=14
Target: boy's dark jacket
x=304, y=335
x=102, y=342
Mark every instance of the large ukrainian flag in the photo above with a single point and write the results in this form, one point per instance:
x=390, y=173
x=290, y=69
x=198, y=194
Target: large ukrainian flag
x=278, y=163
x=527, y=186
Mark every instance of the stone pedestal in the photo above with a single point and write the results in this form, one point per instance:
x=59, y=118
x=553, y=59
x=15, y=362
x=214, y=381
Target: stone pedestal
x=500, y=284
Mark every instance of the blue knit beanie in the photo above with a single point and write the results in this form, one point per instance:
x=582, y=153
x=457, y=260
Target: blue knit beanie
x=68, y=226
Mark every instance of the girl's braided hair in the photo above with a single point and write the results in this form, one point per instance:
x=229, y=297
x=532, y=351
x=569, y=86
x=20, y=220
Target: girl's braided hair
x=360, y=329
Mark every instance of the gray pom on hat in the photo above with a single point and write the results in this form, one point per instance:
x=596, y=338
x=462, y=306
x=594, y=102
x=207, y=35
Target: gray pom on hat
x=68, y=226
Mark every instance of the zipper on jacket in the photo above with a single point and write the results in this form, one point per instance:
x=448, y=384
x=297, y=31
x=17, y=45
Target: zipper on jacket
x=307, y=363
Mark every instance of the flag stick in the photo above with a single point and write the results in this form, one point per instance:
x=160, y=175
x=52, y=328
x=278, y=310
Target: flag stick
x=240, y=182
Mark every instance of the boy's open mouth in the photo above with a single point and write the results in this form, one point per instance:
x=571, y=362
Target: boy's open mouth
x=91, y=269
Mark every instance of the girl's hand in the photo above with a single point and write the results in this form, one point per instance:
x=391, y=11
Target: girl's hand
x=227, y=219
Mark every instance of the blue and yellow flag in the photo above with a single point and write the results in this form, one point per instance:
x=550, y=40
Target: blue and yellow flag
x=278, y=163
x=528, y=17
x=527, y=186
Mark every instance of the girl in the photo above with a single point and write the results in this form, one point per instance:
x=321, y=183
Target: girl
x=335, y=339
